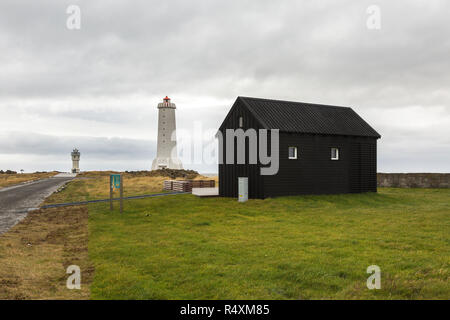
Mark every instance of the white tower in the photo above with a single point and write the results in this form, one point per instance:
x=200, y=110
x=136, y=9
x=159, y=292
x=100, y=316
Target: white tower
x=75, y=161
x=166, y=153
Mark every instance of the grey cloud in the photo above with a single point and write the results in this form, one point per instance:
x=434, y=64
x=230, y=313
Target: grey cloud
x=211, y=46
x=298, y=50
x=45, y=153
x=96, y=147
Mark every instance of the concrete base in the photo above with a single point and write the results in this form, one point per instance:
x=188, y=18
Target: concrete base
x=205, y=192
x=166, y=163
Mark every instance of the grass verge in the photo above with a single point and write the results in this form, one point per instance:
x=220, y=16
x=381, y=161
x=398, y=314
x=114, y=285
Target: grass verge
x=184, y=247
x=302, y=247
x=35, y=254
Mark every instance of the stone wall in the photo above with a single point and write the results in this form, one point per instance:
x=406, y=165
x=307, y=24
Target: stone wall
x=414, y=180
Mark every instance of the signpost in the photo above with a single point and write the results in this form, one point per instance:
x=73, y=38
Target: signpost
x=111, y=190
x=115, y=182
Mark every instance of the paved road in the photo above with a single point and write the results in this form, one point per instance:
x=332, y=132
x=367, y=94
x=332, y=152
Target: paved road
x=16, y=201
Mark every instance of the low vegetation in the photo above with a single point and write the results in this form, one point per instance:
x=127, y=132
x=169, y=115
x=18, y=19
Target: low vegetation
x=35, y=254
x=8, y=172
x=170, y=173
x=95, y=184
x=302, y=247
x=7, y=180
x=184, y=247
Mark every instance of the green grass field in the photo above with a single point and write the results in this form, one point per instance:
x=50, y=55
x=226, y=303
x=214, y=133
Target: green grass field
x=304, y=247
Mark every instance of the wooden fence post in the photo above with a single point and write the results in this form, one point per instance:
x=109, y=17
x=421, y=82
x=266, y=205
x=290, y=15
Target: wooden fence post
x=121, y=194
x=111, y=192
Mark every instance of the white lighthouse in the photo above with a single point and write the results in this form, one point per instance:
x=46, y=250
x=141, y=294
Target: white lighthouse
x=166, y=153
x=75, y=161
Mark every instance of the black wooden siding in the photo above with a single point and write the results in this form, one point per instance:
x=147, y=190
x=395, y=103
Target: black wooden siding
x=229, y=173
x=313, y=172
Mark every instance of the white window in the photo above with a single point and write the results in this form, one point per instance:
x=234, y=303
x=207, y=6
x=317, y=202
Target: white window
x=241, y=122
x=334, y=154
x=292, y=152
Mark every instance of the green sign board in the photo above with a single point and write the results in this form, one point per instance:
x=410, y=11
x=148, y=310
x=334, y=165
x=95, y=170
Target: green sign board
x=115, y=181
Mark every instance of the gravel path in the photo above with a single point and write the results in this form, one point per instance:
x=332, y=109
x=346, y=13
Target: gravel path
x=16, y=201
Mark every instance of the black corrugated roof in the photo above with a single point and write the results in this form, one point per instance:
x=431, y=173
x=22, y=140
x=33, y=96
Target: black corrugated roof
x=300, y=117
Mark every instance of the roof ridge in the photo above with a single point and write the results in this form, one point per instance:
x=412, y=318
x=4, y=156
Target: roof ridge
x=293, y=116
x=250, y=109
x=294, y=102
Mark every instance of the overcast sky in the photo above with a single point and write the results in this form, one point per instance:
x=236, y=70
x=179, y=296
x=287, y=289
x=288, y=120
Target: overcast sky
x=97, y=88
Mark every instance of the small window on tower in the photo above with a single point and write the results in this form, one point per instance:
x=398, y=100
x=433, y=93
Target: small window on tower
x=241, y=122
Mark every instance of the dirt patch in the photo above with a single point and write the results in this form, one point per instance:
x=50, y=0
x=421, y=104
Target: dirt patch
x=35, y=254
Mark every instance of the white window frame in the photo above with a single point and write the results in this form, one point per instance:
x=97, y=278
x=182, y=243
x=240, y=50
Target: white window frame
x=241, y=122
x=337, y=153
x=295, y=153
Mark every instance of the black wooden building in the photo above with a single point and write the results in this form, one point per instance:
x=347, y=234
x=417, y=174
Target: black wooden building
x=322, y=149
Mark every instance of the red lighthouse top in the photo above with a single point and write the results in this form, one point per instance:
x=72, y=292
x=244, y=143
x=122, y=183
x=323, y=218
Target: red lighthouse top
x=166, y=104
